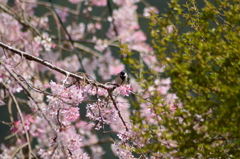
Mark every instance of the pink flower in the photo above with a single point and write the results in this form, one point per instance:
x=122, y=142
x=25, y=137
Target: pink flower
x=173, y=108
x=101, y=45
x=18, y=127
x=102, y=111
x=53, y=45
x=163, y=85
x=169, y=29
x=121, y=152
x=102, y=92
x=63, y=14
x=91, y=28
x=2, y=102
x=124, y=90
x=139, y=36
x=72, y=94
x=147, y=11
x=93, y=90
x=98, y=25
x=125, y=2
x=141, y=47
x=116, y=67
x=71, y=114
x=99, y=2
x=76, y=30
x=83, y=125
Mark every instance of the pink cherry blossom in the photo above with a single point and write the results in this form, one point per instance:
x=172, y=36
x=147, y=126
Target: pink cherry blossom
x=62, y=14
x=99, y=2
x=120, y=152
x=102, y=111
x=76, y=30
x=147, y=11
x=124, y=90
x=170, y=29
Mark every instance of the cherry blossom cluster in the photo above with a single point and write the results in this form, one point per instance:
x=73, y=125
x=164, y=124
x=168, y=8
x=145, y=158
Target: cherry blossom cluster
x=122, y=153
x=102, y=112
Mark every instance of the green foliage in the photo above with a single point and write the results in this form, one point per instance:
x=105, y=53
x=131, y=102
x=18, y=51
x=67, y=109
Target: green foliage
x=202, y=57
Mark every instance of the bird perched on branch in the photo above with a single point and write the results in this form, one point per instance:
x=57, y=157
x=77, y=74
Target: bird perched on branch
x=121, y=78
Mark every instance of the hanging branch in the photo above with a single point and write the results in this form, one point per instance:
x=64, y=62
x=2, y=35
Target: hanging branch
x=52, y=66
x=30, y=152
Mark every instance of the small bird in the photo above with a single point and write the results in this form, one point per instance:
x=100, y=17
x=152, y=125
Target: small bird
x=121, y=78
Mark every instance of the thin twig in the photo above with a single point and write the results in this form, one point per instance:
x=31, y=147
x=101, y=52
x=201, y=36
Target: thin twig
x=68, y=10
x=115, y=105
x=68, y=35
x=22, y=121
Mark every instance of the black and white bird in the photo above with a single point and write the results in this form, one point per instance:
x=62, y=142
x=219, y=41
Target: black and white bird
x=121, y=78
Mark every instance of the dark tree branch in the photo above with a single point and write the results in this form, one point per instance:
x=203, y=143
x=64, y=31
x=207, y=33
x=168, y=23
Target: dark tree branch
x=52, y=66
